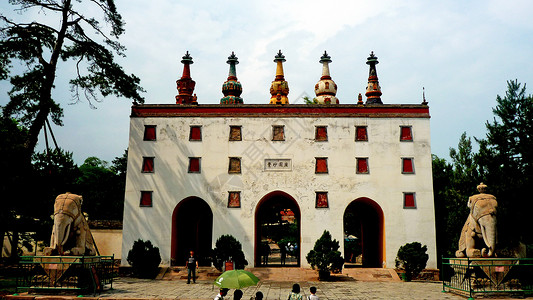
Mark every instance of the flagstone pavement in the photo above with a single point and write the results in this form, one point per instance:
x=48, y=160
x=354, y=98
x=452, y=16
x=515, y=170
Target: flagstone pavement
x=276, y=283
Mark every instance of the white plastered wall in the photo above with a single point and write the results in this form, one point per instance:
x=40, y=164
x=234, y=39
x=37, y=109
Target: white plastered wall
x=385, y=184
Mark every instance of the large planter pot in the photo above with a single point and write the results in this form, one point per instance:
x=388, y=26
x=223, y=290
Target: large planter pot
x=323, y=275
x=404, y=277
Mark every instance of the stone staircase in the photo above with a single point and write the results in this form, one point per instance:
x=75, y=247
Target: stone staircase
x=290, y=274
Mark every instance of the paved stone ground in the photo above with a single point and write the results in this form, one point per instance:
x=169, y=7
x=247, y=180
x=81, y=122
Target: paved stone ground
x=204, y=289
x=276, y=283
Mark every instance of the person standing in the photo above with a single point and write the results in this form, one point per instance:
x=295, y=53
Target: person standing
x=220, y=296
x=295, y=294
x=313, y=295
x=192, y=265
x=237, y=295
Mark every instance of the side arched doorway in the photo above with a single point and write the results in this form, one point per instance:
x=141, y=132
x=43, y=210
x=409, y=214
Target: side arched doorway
x=277, y=231
x=364, y=242
x=192, y=229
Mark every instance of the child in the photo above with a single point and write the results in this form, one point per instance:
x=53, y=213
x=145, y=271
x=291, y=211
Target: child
x=313, y=292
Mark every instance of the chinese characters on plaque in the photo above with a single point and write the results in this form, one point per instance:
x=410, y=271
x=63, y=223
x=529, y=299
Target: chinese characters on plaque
x=278, y=165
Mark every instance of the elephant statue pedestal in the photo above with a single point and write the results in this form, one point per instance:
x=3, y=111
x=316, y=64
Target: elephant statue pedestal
x=481, y=274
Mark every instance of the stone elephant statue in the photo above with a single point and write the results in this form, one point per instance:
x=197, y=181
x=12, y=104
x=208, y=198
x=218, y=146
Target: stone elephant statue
x=479, y=235
x=70, y=234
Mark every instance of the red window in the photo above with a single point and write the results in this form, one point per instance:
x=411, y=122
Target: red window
x=409, y=200
x=278, y=133
x=321, y=165
x=321, y=200
x=196, y=133
x=148, y=165
x=407, y=166
x=194, y=165
x=146, y=198
x=360, y=133
x=234, y=165
x=234, y=199
x=321, y=133
x=235, y=133
x=406, y=133
x=362, y=165
x=149, y=133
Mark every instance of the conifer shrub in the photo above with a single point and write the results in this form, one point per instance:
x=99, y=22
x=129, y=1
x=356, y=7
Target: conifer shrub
x=412, y=258
x=228, y=248
x=144, y=259
x=325, y=256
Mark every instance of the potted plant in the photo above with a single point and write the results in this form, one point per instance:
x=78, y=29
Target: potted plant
x=144, y=259
x=325, y=256
x=412, y=259
x=228, y=248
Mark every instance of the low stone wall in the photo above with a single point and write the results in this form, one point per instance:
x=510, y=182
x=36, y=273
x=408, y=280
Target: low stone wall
x=108, y=241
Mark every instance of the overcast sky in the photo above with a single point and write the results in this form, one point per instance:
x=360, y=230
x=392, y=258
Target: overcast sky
x=462, y=52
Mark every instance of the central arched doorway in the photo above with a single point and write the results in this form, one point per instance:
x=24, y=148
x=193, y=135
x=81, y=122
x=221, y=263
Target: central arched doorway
x=277, y=231
x=364, y=239
x=192, y=229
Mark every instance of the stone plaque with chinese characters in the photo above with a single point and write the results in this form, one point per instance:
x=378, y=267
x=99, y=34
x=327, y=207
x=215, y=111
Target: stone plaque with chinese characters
x=278, y=165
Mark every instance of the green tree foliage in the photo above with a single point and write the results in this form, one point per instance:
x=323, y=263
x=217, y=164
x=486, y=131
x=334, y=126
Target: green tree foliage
x=54, y=173
x=506, y=160
x=412, y=258
x=144, y=259
x=102, y=189
x=227, y=248
x=325, y=255
x=63, y=32
x=452, y=185
x=12, y=137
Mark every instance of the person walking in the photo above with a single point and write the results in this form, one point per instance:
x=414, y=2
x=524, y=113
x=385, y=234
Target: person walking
x=295, y=293
x=192, y=265
x=258, y=296
x=313, y=295
x=220, y=296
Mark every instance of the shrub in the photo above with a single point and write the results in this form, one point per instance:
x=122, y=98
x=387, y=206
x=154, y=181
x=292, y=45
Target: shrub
x=144, y=259
x=228, y=248
x=412, y=258
x=325, y=256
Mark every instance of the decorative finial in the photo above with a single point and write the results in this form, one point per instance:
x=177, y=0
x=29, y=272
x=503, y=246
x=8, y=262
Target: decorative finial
x=187, y=59
x=232, y=89
x=373, y=90
x=424, y=102
x=326, y=89
x=482, y=188
x=325, y=58
x=360, y=99
x=279, y=57
x=279, y=89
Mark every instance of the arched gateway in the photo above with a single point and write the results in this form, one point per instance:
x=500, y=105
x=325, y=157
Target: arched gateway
x=364, y=230
x=277, y=231
x=192, y=229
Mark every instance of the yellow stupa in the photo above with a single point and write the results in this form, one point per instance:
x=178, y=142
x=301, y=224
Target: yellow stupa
x=279, y=89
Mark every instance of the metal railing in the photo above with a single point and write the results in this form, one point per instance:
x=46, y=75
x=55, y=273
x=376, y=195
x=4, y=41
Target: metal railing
x=82, y=274
x=471, y=276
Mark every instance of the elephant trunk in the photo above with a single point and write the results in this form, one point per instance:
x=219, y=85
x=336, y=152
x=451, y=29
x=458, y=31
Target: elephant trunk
x=490, y=237
x=62, y=224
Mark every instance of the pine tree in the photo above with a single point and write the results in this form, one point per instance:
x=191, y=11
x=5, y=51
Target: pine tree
x=40, y=45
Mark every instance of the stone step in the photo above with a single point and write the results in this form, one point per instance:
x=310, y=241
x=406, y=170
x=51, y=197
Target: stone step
x=287, y=274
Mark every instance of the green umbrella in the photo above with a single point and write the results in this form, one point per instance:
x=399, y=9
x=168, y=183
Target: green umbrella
x=236, y=279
